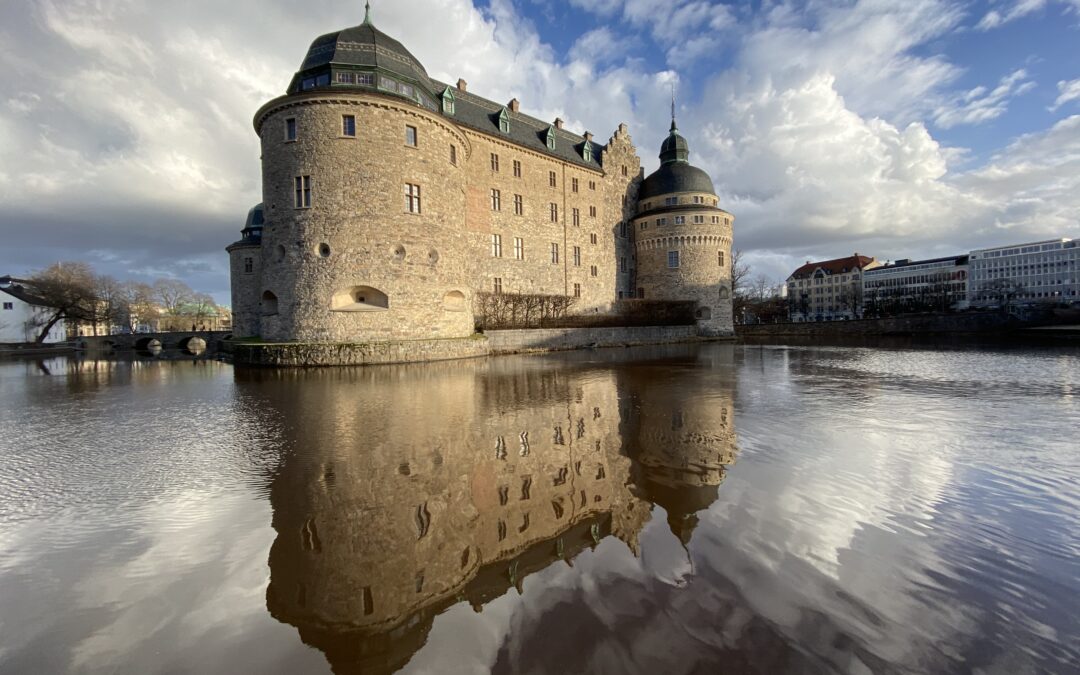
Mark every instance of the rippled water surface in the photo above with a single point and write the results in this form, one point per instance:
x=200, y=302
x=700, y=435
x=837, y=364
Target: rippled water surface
x=713, y=509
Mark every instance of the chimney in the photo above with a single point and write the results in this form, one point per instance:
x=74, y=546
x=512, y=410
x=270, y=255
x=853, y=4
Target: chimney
x=558, y=123
x=514, y=105
x=588, y=136
x=462, y=85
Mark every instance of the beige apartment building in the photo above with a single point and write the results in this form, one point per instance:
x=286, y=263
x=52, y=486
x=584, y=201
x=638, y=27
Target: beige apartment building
x=828, y=290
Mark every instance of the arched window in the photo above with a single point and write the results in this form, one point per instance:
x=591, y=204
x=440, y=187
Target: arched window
x=359, y=299
x=454, y=301
x=269, y=304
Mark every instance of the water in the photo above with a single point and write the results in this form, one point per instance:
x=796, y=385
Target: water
x=656, y=510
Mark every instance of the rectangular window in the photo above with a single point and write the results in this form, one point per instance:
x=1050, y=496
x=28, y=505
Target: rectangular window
x=625, y=171
x=576, y=217
x=720, y=258
x=641, y=293
x=496, y=246
x=697, y=200
x=519, y=248
x=453, y=155
x=498, y=284
x=519, y=205
x=348, y=125
x=366, y=78
x=645, y=224
x=517, y=169
x=593, y=271
x=699, y=219
x=346, y=78
x=622, y=264
x=661, y=221
x=551, y=179
x=592, y=185
x=673, y=259
x=303, y=191
x=573, y=184
x=577, y=290
x=412, y=198
x=290, y=129
x=249, y=265
x=496, y=200
x=577, y=256
x=669, y=201
x=11, y=305
x=494, y=162
x=592, y=211
x=554, y=212
x=554, y=253
x=592, y=238
x=622, y=229
x=716, y=220
x=410, y=136
x=680, y=220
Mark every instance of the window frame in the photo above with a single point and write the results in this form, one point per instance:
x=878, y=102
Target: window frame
x=673, y=256
x=413, y=197
x=415, y=136
x=302, y=187
x=345, y=126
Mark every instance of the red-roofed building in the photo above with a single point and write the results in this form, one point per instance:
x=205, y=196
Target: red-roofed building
x=828, y=290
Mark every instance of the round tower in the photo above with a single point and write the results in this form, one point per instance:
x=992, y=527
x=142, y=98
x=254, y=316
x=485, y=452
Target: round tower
x=682, y=238
x=245, y=269
x=364, y=194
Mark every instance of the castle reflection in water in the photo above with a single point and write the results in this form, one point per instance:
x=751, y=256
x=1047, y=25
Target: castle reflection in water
x=408, y=489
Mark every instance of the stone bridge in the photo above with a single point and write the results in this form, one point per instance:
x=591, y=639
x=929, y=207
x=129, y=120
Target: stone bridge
x=189, y=341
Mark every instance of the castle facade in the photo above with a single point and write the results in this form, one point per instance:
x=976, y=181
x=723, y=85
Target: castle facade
x=390, y=199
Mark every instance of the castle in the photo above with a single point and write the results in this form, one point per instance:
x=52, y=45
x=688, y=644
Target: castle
x=390, y=199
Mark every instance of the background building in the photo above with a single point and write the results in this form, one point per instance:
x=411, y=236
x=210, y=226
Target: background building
x=828, y=290
x=1036, y=272
x=22, y=315
x=390, y=199
x=939, y=284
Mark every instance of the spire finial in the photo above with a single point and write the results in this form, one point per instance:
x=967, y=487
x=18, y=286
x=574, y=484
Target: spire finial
x=367, y=13
x=673, y=127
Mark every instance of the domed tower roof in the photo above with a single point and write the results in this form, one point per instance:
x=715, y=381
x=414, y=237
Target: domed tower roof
x=675, y=173
x=363, y=56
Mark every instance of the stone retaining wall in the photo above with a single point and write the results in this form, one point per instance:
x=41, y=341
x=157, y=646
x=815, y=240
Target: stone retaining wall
x=900, y=325
x=555, y=339
x=294, y=355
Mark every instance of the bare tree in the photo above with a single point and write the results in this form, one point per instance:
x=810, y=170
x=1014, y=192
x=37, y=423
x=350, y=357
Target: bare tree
x=740, y=272
x=142, y=308
x=68, y=289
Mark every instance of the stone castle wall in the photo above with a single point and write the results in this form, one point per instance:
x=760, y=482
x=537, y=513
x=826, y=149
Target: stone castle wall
x=245, y=288
x=704, y=271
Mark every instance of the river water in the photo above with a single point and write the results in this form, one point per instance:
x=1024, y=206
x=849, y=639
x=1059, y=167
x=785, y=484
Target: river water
x=708, y=509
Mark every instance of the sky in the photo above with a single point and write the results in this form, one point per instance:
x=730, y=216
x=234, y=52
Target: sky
x=909, y=129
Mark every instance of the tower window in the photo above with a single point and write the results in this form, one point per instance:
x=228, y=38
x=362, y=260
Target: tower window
x=496, y=200
x=720, y=258
x=453, y=155
x=412, y=198
x=348, y=125
x=494, y=162
x=593, y=271
x=249, y=266
x=551, y=179
x=673, y=259
x=410, y=136
x=699, y=219
x=680, y=220
x=622, y=264
x=302, y=185
x=573, y=184
x=517, y=169
x=622, y=229
x=290, y=129
x=592, y=185
x=592, y=211
x=641, y=293
x=625, y=171
x=592, y=238
x=519, y=205
x=496, y=246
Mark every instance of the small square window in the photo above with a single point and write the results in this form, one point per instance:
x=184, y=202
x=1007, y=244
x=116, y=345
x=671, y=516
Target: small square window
x=11, y=305
x=410, y=136
x=348, y=125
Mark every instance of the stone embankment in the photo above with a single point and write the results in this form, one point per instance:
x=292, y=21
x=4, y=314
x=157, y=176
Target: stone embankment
x=286, y=355
x=919, y=324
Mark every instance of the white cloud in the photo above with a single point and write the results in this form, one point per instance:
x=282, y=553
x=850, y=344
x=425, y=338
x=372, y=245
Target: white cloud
x=1069, y=91
x=979, y=105
x=1017, y=10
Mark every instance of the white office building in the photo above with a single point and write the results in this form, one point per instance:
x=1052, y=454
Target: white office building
x=1037, y=272
x=939, y=284
x=22, y=315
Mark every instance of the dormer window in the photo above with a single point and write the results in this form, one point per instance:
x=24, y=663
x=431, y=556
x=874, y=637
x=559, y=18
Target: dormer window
x=448, y=102
x=550, y=139
x=504, y=121
x=586, y=151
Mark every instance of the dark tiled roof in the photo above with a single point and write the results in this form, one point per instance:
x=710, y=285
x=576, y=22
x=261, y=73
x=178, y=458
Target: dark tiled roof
x=482, y=115
x=676, y=177
x=367, y=47
x=956, y=259
x=837, y=266
x=19, y=292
